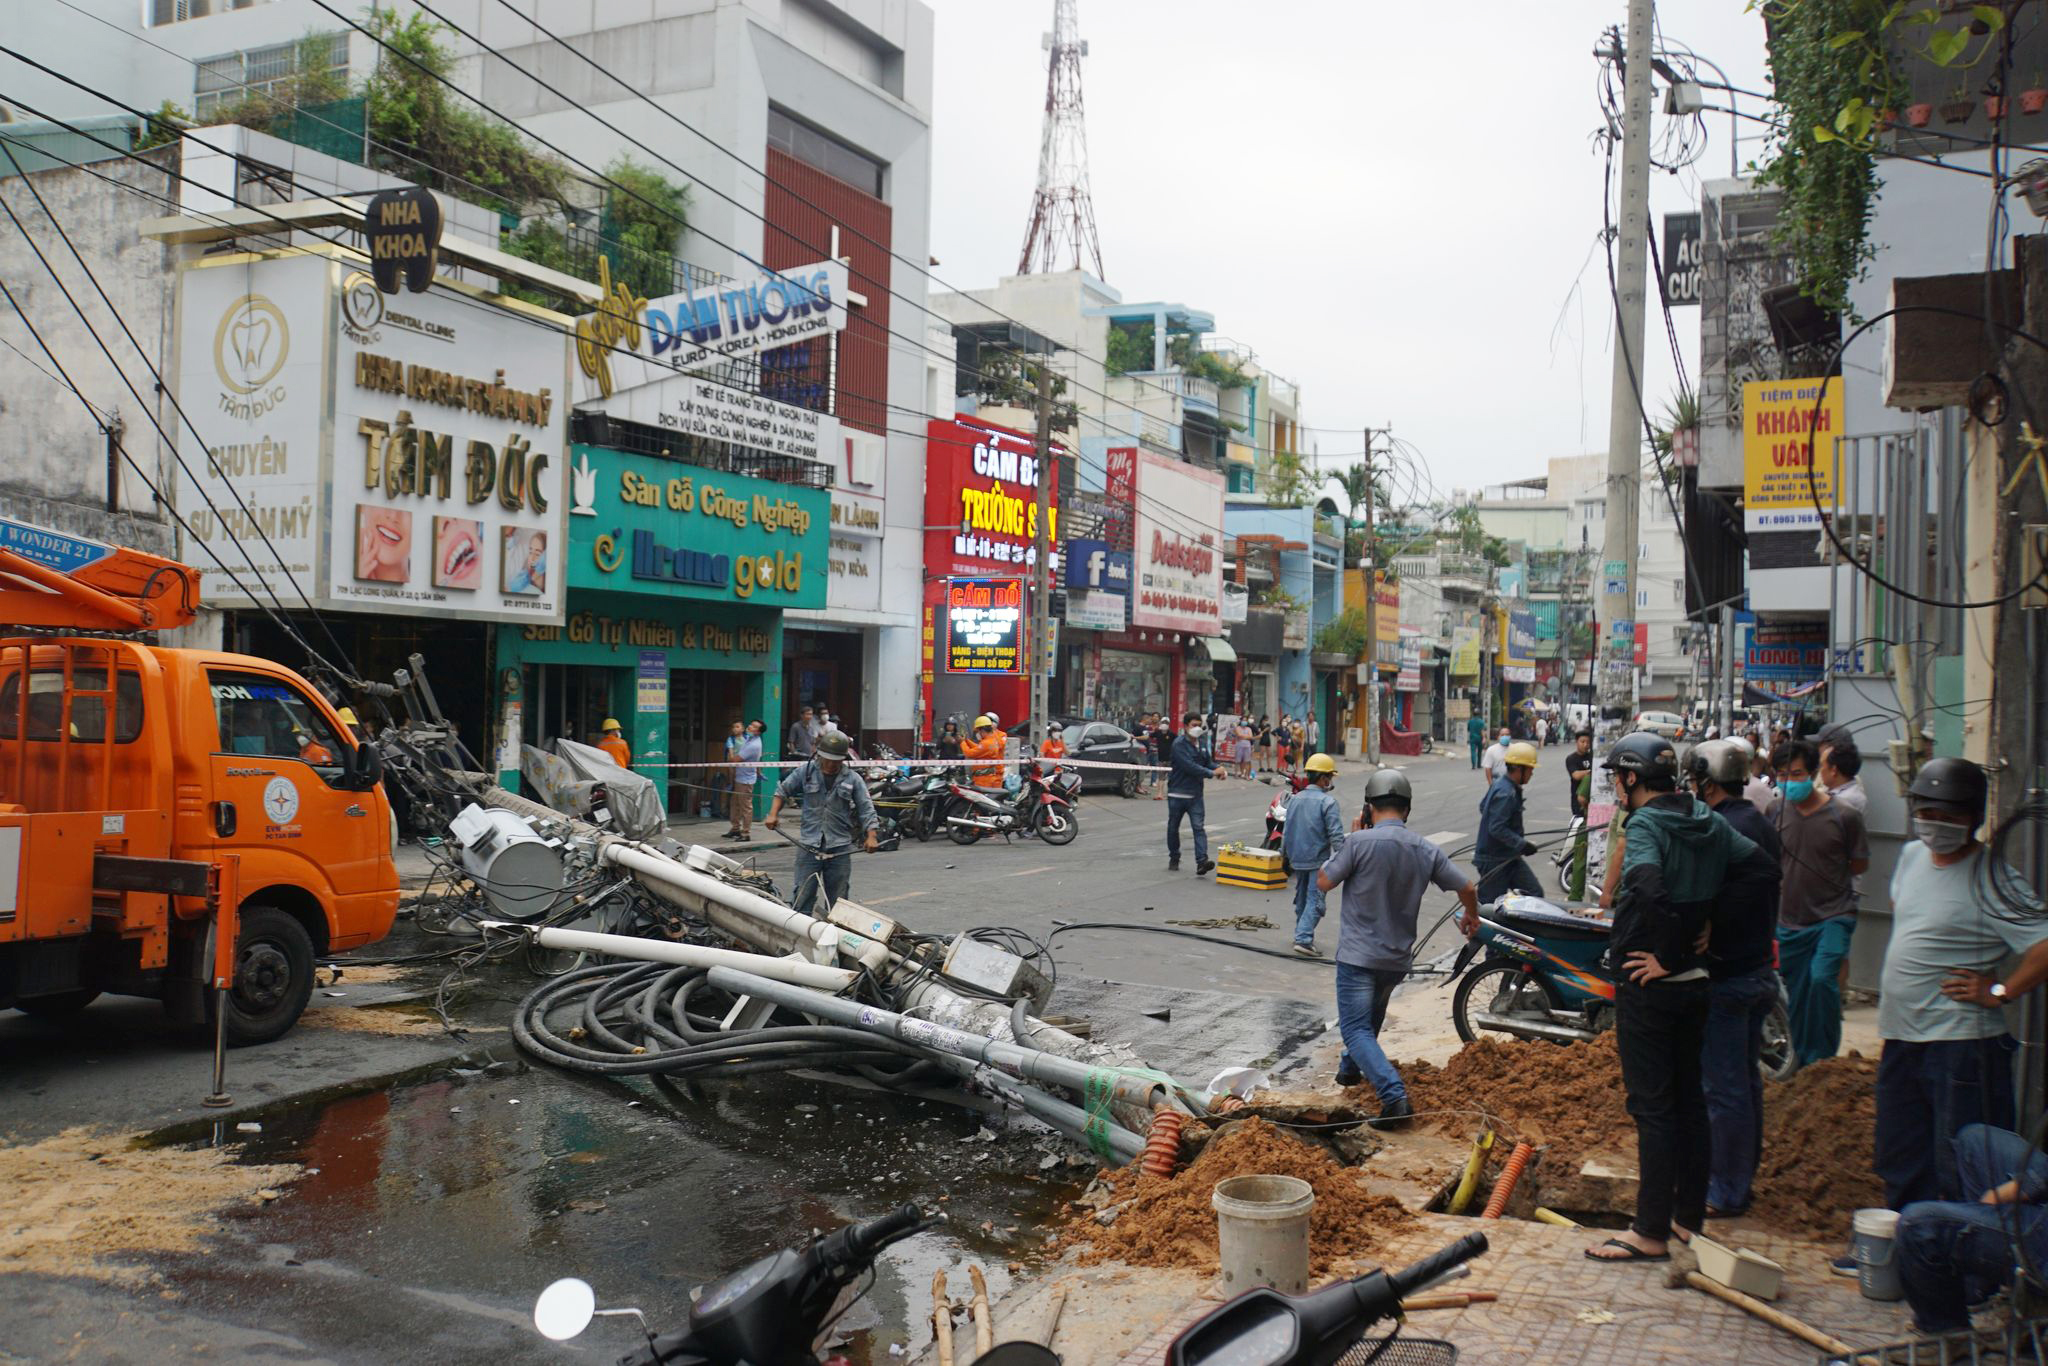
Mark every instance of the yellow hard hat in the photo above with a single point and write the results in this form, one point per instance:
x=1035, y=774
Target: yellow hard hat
x=611, y=723
x=1320, y=763
x=348, y=716
x=981, y=721
x=1523, y=753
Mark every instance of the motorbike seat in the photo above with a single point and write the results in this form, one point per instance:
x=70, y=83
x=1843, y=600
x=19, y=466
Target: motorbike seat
x=1536, y=917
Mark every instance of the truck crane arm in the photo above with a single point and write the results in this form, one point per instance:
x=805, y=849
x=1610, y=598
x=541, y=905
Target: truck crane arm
x=53, y=581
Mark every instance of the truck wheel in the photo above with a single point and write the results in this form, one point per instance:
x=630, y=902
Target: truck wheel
x=273, y=976
x=60, y=1005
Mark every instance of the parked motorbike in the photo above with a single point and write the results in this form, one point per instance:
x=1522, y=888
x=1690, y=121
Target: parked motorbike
x=773, y=1311
x=1541, y=977
x=1039, y=808
x=913, y=803
x=1561, y=858
x=1276, y=811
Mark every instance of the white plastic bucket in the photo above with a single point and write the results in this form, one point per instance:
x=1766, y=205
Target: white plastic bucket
x=1874, y=1246
x=1262, y=1230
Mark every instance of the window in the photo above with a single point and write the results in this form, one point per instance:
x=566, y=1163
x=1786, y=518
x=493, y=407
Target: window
x=88, y=714
x=815, y=147
x=225, y=81
x=259, y=715
x=163, y=12
x=1642, y=597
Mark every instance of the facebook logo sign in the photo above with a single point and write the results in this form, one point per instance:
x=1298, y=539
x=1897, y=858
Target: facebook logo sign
x=1092, y=564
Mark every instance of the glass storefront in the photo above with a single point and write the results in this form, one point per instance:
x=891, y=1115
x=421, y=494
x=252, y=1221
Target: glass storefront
x=1129, y=684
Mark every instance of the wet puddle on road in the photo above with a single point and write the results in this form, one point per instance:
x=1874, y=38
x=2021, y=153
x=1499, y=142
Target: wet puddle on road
x=467, y=1193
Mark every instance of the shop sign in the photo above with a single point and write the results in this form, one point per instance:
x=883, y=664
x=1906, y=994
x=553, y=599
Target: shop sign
x=691, y=406
x=1178, y=547
x=402, y=229
x=1294, y=630
x=1780, y=435
x=632, y=341
x=1642, y=645
x=1518, y=673
x=408, y=461
x=647, y=634
x=1518, y=632
x=1092, y=564
x=1465, y=652
x=984, y=626
x=691, y=532
x=1778, y=654
x=855, y=553
x=981, y=499
x=1681, y=253
x=1387, y=619
x=1410, y=677
x=1095, y=609
x=650, y=691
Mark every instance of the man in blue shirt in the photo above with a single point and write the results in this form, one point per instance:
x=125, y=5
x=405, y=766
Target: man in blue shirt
x=836, y=807
x=1501, y=849
x=1384, y=870
x=1314, y=829
x=1192, y=767
x=743, y=750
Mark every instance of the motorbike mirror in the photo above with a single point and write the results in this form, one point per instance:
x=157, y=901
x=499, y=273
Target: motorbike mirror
x=565, y=1309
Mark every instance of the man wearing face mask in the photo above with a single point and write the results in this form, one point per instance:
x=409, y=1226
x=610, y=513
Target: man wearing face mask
x=1825, y=849
x=1947, y=1059
x=1192, y=767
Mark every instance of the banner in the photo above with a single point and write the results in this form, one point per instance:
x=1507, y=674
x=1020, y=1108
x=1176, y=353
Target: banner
x=1780, y=438
x=984, y=626
x=1786, y=654
x=1465, y=652
x=1178, y=554
x=1095, y=609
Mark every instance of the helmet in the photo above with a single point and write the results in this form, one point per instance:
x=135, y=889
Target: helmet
x=1386, y=783
x=1834, y=733
x=995, y=720
x=1521, y=752
x=833, y=744
x=348, y=716
x=1743, y=746
x=609, y=723
x=1721, y=762
x=1320, y=763
x=981, y=721
x=1954, y=783
x=1645, y=753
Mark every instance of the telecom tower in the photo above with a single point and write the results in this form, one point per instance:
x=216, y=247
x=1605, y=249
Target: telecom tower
x=1062, y=213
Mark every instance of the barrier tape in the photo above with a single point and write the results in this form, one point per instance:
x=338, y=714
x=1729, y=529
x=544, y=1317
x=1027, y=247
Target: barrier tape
x=915, y=763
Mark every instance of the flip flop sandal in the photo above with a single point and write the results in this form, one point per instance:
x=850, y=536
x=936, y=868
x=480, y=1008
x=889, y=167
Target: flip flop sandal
x=1635, y=1254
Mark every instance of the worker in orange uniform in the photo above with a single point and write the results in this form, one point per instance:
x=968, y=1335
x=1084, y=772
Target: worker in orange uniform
x=986, y=743
x=614, y=742
x=1055, y=747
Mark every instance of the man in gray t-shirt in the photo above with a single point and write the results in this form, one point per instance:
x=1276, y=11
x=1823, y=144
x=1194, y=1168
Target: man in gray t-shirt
x=1825, y=848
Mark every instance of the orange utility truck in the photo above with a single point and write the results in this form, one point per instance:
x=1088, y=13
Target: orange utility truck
x=148, y=795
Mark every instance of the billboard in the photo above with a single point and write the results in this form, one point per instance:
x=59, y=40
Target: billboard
x=984, y=626
x=1782, y=430
x=980, y=499
x=1785, y=654
x=368, y=442
x=1178, y=547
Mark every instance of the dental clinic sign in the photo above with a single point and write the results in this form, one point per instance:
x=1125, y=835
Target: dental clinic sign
x=632, y=340
x=407, y=459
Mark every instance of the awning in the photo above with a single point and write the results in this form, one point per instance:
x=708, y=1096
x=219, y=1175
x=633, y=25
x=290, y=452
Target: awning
x=1220, y=650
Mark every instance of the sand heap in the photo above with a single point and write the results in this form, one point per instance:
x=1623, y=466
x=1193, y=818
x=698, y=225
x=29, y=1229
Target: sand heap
x=85, y=1204
x=1819, y=1135
x=1568, y=1096
x=1170, y=1222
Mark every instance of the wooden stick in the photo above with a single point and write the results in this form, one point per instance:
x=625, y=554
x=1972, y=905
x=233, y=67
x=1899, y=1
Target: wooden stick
x=942, y=1319
x=1052, y=1315
x=1777, y=1318
x=1449, y=1299
x=984, y=1325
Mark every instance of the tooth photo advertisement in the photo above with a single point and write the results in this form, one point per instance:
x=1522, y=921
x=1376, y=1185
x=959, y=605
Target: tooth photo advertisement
x=383, y=544
x=524, y=566
x=458, y=552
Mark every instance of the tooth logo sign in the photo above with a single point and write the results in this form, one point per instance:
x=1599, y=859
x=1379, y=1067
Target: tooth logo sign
x=250, y=344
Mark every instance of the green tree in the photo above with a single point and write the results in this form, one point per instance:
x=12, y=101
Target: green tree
x=1344, y=635
x=1293, y=485
x=1129, y=348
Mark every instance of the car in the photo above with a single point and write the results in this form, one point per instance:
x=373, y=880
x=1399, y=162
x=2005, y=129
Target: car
x=1668, y=724
x=1101, y=742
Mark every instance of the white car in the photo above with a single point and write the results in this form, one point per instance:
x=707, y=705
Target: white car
x=1668, y=724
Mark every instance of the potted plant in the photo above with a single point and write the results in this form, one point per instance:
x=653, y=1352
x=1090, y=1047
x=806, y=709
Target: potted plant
x=1994, y=107
x=1919, y=115
x=2035, y=97
x=1887, y=119
x=1958, y=107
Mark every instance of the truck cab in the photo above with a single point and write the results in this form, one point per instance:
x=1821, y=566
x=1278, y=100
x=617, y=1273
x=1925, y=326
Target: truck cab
x=126, y=766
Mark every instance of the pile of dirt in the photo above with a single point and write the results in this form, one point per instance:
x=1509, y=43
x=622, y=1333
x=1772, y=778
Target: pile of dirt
x=1168, y=1221
x=1819, y=1135
x=76, y=1203
x=1568, y=1096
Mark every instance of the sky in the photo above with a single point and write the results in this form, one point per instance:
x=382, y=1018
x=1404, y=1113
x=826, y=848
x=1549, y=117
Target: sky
x=1397, y=214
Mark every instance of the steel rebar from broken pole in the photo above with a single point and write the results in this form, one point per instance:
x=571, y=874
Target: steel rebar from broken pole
x=984, y=1323
x=942, y=1318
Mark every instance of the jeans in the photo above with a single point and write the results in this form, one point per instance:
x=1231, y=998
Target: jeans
x=834, y=870
x=1362, y=997
x=1951, y=1252
x=1509, y=875
x=1734, y=1087
x=1476, y=749
x=1810, y=960
x=1927, y=1093
x=1659, y=1031
x=1191, y=807
x=1309, y=905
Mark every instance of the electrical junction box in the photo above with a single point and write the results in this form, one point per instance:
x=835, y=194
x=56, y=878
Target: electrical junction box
x=858, y=919
x=997, y=971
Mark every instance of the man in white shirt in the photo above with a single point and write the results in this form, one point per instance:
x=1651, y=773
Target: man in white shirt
x=1493, y=763
x=1841, y=765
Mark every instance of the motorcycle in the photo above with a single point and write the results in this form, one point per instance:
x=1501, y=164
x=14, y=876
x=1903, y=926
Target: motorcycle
x=913, y=803
x=1039, y=808
x=773, y=1311
x=1561, y=857
x=1542, y=978
x=1276, y=811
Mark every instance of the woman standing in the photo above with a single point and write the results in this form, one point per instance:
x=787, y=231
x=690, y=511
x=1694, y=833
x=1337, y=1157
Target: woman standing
x=1243, y=751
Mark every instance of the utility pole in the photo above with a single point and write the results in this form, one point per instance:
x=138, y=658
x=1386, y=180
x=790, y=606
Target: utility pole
x=1041, y=571
x=1625, y=416
x=1369, y=570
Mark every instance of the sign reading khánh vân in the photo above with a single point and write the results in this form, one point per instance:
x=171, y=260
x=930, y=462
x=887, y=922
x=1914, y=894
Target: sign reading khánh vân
x=364, y=455
x=984, y=626
x=631, y=341
x=685, y=531
x=1782, y=430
